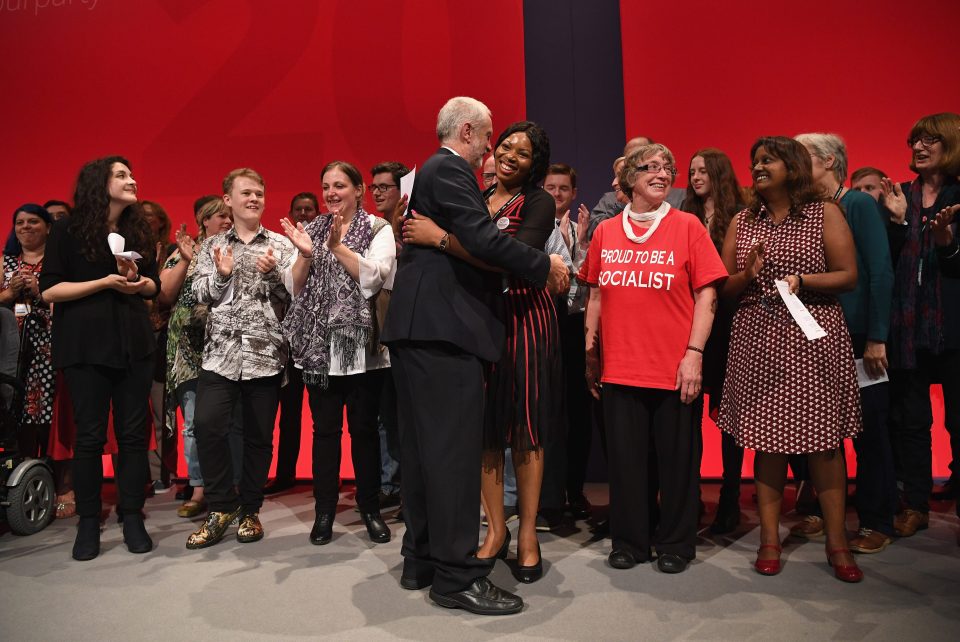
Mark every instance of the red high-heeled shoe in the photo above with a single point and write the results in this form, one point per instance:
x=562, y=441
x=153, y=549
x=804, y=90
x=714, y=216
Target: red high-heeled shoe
x=768, y=567
x=846, y=572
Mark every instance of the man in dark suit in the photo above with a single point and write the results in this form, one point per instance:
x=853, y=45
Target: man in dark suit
x=442, y=324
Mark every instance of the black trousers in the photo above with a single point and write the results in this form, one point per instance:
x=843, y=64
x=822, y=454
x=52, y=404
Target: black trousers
x=291, y=417
x=911, y=419
x=638, y=419
x=440, y=411
x=579, y=428
x=388, y=419
x=93, y=390
x=213, y=417
x=876, y=480
x=360, y=393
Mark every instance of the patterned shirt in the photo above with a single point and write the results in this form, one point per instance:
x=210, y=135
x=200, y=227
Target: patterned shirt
x=243, y=338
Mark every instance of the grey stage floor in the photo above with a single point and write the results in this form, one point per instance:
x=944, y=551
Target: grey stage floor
x=282, y=587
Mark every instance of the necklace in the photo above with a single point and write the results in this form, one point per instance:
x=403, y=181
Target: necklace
x=836, y=196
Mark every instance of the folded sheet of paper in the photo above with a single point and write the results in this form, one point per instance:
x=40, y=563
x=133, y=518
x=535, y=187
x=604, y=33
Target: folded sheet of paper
x=864, y=380
x=811, y=329
x=117, y=243
x=406, y=186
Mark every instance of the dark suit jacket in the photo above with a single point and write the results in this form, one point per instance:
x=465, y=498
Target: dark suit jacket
x=437, y=297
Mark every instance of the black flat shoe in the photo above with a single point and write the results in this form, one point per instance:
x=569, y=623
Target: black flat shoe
x=482, y=597
x=669, y=563
x=322, y=531
x=621, y=559
x=135, y=535
x=501, y=553
x=278, y=485
x=184, y=493
x=87, y=544
x=377, y=529
x=529, y=574
x=416, y=576
x=727, y=519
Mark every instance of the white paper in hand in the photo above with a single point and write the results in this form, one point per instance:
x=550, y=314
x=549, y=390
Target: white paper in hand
x=864, y=379
x=117, y=243
x=811, y=329
x=406, y=186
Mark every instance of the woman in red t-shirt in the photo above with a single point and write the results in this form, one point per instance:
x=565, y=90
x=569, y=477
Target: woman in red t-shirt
x=652, y=271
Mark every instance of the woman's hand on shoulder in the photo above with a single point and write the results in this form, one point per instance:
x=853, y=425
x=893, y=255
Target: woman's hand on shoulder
x=421, y=230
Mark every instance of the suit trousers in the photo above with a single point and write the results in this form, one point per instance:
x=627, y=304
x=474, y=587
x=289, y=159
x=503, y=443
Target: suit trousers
x=638, y=419
x=360, y=393
x=93, y=391
x=213, y=418
x=579, y=428
x=440, y=411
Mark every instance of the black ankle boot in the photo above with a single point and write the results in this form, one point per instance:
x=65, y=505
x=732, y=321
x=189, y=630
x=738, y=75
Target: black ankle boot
x=135, y=535
x=87, y=545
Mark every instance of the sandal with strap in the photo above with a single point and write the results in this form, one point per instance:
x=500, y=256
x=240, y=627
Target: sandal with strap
x=768, y=567
x=66, y=505
x=845, y=572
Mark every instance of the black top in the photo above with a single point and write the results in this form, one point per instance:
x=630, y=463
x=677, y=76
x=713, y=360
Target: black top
x=106, y=328
x=438, y=297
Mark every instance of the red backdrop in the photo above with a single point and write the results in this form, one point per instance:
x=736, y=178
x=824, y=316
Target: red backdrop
x=189, y=89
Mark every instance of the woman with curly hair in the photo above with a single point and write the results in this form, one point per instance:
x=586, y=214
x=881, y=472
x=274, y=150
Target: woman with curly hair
x=103, y=341
x=785, y=393
x=715, y=197
x=523, y=407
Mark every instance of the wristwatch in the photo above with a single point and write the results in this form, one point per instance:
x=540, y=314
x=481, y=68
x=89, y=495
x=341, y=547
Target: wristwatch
x=443, y=241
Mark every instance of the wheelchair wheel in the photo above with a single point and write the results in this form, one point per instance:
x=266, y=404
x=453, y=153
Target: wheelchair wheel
x=31, y=502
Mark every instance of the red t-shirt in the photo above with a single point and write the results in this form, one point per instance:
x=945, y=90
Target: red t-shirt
x=646, y=295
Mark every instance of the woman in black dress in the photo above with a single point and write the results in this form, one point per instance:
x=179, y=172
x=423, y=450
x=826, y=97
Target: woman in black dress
x=523, y=407
x=103, y=341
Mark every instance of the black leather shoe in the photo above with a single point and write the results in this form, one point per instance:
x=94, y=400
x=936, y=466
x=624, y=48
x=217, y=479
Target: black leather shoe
x=727, y=519
x=529, y=574
x=135, y=535
x=414, y=583
x=669, y=563
x=377, y=529
x=501, y=553
x=579, y=507
x=621, y=559
x=322, y=531
x=481, y=597
x=87, y=544
x=278, y=485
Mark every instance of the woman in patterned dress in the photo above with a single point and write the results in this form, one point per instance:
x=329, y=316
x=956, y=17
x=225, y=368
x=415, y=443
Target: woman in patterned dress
x=21, y=291
x=786, y=394
x=523, y=406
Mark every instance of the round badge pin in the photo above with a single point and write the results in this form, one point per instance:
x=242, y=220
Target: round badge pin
x=503, y=223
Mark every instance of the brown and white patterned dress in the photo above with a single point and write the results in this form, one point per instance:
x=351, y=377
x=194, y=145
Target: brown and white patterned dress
x=784, y=393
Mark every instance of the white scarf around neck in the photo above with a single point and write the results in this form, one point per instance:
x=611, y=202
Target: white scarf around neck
x=656, y=216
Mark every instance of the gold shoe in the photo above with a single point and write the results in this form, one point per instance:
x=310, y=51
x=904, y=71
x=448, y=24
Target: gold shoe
x=250, y=529
x=212, y=530
x=191, y=508
x=810, y=527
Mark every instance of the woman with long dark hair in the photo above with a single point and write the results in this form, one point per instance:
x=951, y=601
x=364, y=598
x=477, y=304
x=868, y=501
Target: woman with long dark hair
x=522, y=409
x=925, y=324
x=785, y=393
x=714, y=196
x=103, y=341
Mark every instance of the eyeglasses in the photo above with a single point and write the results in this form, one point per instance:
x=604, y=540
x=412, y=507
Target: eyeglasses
x=382, y=187
x=654, y=168
x=926, y=141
